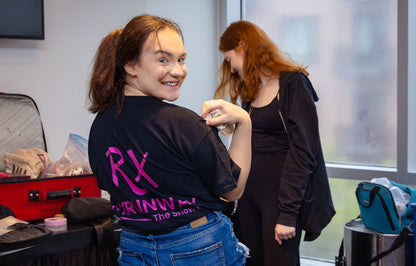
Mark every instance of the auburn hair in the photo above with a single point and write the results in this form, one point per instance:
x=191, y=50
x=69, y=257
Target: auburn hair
x=261, y=56
x=117, y=49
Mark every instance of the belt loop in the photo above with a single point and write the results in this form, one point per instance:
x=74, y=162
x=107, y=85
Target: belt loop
x=219, y=215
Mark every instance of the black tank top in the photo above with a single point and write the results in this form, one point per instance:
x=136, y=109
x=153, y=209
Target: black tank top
x=269, y=143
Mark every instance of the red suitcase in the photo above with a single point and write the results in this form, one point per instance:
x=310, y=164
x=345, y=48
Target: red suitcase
x=33, y=199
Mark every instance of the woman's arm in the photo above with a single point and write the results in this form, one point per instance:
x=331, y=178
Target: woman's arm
x=300, y=162
x=240, y=147
x=302, y=123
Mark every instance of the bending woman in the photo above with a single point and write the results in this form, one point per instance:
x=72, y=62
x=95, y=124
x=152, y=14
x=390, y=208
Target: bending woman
x=287, y=163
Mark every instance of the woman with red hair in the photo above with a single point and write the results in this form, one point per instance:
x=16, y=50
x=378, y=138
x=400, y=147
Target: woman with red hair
x=288, y=170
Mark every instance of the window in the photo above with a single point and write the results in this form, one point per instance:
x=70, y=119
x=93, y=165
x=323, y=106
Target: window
x=360, y=63
x=351, y=50
x=300, y=35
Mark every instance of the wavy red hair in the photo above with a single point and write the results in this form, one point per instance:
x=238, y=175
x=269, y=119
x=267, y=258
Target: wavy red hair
x=261, y=56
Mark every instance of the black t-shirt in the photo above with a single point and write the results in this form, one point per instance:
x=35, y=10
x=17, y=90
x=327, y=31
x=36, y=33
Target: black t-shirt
x=161, y=164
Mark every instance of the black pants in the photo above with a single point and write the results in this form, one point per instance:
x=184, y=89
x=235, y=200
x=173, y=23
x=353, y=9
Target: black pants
x=256, y=216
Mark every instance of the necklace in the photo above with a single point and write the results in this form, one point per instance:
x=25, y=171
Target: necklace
x=250, y=110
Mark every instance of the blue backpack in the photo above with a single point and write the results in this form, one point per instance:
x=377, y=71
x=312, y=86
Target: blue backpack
x=378, y=210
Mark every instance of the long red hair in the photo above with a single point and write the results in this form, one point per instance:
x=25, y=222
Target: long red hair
x=116, y=50
x=261, y=56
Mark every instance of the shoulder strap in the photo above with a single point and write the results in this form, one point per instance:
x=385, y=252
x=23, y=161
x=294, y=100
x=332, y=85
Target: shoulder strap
x=283, y=81
x=398, y=242
x=106, y=243
x=283, y=121
x=340, y=259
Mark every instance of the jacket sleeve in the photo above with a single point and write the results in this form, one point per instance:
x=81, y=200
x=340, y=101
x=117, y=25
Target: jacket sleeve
x=302, y=125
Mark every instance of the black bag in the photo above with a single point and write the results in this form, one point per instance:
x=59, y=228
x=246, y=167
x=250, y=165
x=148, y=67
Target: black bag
x=87, y=209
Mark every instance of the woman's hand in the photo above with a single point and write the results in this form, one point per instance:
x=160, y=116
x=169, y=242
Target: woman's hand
x=220, y=113
x=283, y=232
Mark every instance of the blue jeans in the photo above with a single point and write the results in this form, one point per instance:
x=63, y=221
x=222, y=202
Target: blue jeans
x=211, y=244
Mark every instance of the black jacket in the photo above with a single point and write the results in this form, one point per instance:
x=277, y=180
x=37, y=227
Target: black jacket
x=304, y=186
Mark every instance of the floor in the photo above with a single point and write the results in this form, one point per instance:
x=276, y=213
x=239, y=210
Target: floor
x=310, y=262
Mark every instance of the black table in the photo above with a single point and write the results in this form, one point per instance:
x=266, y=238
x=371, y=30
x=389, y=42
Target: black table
x=77, y=246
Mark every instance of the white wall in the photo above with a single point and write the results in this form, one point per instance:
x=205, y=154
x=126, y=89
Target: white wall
x=55, y=71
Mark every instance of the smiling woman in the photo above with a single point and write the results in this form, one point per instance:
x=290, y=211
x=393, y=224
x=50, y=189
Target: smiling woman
x=167, y=172
x=161, y=70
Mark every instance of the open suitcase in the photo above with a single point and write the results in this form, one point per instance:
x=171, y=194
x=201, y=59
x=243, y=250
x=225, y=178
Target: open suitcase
x=33, y=199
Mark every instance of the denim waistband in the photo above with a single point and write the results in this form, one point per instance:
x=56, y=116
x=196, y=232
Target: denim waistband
x=193, y=224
